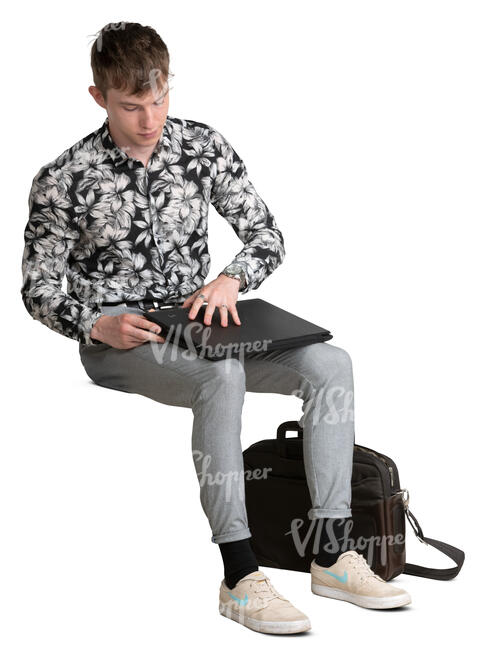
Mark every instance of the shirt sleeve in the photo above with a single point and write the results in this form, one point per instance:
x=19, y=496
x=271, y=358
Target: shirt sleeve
x=235, y=198
x=49, y=237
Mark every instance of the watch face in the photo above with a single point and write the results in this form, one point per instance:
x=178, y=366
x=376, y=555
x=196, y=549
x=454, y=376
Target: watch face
x=234, y=268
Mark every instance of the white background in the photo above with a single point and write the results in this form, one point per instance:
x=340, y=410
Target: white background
x=363, y=126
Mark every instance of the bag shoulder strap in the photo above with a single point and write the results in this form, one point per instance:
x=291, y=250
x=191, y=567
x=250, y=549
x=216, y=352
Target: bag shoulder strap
x=451, y=551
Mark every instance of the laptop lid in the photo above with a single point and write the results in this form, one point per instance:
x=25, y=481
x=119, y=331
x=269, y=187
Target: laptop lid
x=264, y=326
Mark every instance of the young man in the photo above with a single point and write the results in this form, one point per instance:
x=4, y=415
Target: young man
x=123, y=213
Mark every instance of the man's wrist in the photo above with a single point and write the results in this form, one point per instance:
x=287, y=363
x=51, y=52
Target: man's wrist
x=227, y=277
x=95, y=330
x=237, y=271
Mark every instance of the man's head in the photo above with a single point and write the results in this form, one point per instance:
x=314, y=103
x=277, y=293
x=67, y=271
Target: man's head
x=130, y=65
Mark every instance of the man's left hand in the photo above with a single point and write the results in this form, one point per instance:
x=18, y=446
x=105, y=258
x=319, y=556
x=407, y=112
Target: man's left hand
x=221, y=291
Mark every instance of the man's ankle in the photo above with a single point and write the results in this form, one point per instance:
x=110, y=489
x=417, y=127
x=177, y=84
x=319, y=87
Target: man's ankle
x=239, y=560
x=332, y=533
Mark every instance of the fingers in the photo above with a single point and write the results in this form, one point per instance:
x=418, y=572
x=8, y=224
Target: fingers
x=234, y=314
x=223, y=316
x=144, y=323
x=190, y=300
x=207, y=318
x=196, y=301
x=143, y=335
x=140, y=328
x=209, y=311
x=196, y=304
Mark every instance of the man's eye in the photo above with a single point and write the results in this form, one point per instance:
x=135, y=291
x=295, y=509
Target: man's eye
x=129, y=109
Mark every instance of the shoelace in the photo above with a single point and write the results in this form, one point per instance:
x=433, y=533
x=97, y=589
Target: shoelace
x=264, y=586
x=359, y=562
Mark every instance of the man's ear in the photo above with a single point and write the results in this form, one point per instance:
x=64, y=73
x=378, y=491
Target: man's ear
x=97, y=96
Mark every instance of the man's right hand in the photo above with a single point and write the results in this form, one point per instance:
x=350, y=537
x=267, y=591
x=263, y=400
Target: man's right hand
x=125, y=331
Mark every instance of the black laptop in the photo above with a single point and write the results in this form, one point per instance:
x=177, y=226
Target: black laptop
x=263, y=327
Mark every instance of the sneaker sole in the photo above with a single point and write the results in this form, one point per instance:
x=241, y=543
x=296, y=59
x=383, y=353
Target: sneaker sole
x=371, y=602
x=267, y=627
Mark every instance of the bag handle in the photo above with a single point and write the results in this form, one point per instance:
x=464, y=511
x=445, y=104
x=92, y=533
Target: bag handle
x=452, y=552
x=290, y=425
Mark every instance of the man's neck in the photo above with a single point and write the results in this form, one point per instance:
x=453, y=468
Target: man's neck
x=133, y=151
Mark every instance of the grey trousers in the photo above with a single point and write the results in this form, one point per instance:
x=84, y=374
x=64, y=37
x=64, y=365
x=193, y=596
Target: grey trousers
x=319, y=374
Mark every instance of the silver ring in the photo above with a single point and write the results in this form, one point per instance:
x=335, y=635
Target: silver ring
x=224, y=306
x=202, y=296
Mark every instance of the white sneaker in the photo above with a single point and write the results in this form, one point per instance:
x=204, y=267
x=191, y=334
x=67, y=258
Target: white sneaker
x=255, y=603
x=352, y=579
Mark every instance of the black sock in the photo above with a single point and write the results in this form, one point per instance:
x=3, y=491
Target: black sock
x=239, y=560
x=328, y=557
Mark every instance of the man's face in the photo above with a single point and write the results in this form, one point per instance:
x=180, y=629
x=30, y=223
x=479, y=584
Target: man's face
x=137, y=120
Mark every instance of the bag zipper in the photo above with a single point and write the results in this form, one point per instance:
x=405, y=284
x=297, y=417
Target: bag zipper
x=389, y=467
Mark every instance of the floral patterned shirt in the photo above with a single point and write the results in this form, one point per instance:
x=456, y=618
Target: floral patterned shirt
x=120, y=231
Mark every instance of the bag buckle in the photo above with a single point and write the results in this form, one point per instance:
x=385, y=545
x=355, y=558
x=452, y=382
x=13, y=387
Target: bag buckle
x=412, y=520
x=405, y=497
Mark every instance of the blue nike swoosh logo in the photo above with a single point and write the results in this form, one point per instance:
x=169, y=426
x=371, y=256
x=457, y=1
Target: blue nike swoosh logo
x=241, y=601
x=340, y=578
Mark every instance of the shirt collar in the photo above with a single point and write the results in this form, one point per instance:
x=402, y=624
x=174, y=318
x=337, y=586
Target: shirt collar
x=118, y=155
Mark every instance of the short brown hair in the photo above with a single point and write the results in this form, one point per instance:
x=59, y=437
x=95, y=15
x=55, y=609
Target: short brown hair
x=126, y=56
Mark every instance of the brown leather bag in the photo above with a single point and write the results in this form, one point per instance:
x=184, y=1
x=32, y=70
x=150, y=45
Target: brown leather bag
x=278, y=500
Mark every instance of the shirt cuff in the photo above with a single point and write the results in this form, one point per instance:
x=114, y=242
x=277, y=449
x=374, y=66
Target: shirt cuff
x=245, y=268
x=86, y=323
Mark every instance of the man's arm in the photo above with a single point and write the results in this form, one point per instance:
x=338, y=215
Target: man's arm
x=235, y=198
x=49, y=236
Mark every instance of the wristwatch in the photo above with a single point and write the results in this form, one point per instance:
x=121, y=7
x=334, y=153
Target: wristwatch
x=235, y=271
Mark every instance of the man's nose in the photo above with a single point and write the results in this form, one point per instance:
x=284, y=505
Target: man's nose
x=147, y=122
